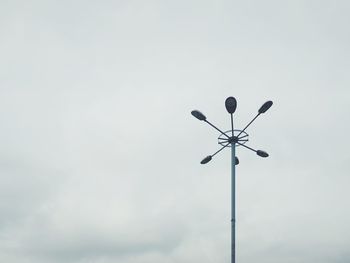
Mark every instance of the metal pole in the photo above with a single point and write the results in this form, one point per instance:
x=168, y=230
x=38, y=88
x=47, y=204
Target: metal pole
x=233, y=201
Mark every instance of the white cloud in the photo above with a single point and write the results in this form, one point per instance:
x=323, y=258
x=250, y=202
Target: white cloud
x=100, y=155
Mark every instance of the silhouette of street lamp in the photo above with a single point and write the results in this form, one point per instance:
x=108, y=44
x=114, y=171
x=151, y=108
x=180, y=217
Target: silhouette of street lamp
x=233, y=138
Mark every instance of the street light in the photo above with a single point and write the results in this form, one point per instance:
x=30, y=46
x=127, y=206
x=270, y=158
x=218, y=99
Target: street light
x=233, y=138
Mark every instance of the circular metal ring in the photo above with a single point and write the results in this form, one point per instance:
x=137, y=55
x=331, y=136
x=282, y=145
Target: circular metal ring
x=242, y=139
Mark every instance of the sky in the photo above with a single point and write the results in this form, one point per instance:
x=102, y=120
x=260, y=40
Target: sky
x=99, y=154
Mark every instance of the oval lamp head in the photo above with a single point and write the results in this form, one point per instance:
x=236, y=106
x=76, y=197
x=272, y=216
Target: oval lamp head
x=267, y=105
x=231, y=104
x=206, y=159
x=262, y=153
x=200, y=116
x=236, y=161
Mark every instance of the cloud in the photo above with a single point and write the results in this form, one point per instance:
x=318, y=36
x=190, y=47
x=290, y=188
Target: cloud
x=100, y=155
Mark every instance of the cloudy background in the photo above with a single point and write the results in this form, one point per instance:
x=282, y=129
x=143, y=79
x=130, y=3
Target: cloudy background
x=99, y=155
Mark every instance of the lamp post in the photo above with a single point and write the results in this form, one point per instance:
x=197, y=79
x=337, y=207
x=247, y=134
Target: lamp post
x=233, y=138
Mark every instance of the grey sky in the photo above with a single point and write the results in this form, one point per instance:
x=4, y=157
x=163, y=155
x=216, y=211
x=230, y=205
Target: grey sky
x=99, y=155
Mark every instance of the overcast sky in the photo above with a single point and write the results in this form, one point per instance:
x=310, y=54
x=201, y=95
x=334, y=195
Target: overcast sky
x=99, y=155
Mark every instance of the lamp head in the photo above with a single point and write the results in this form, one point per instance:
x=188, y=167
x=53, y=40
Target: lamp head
x=206, y=159
x=200, y=116
x=262, y=153
x=265, y=106
x=231, y=105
